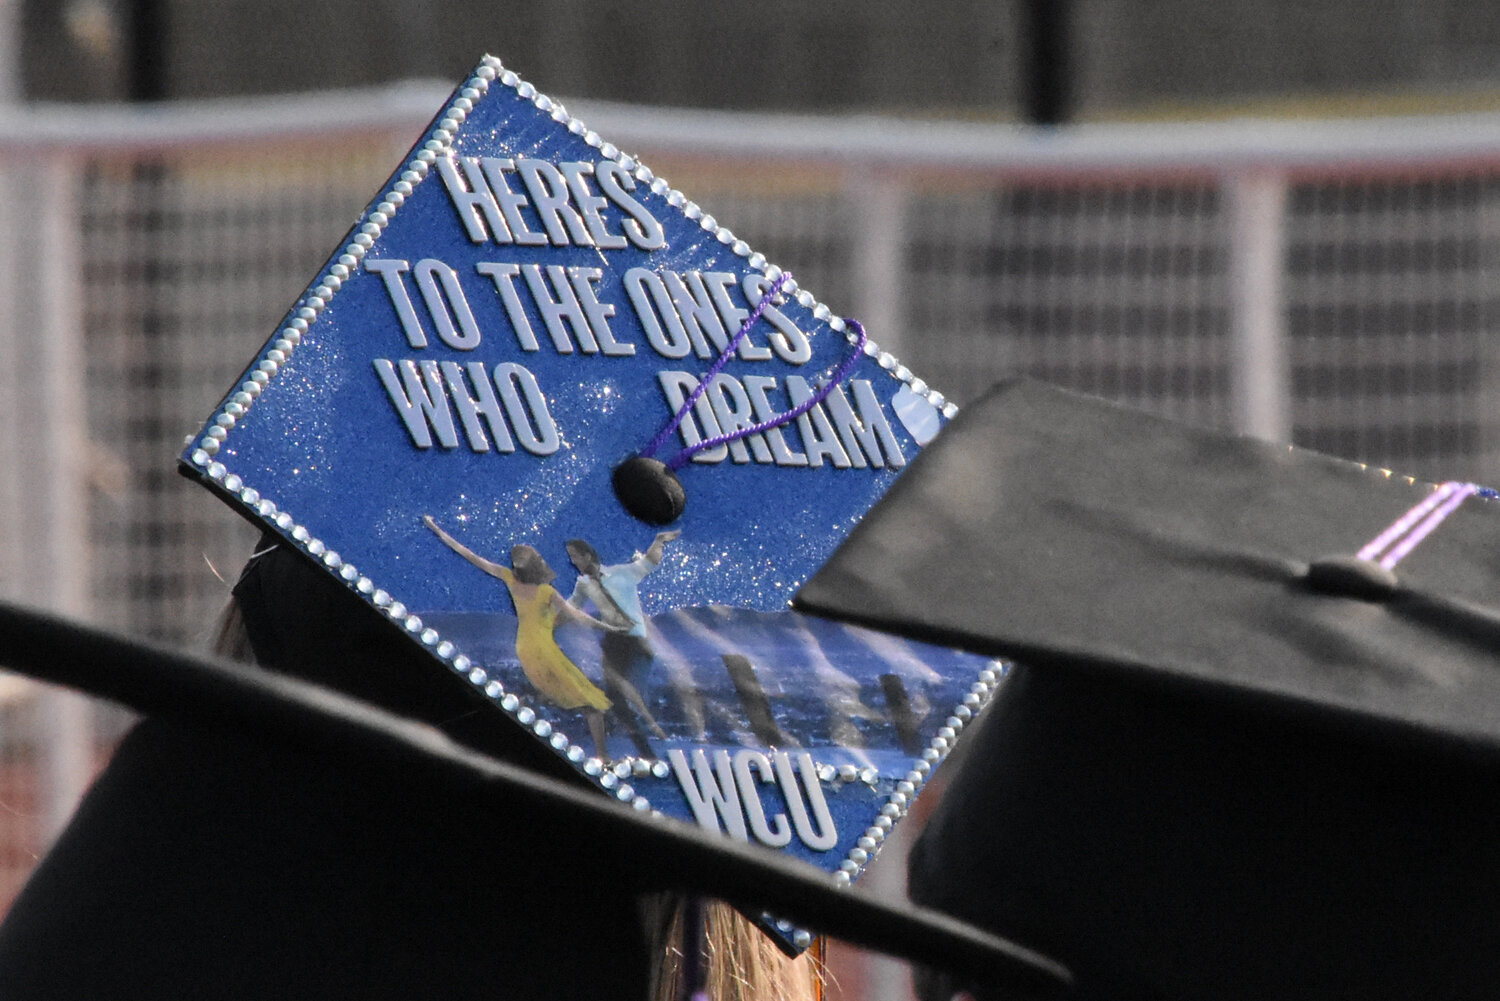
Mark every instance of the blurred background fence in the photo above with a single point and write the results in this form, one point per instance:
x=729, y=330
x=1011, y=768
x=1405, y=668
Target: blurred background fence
x=1331, y=283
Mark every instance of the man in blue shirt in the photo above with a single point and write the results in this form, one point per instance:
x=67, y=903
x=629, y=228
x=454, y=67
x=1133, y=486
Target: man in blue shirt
x=626, y=654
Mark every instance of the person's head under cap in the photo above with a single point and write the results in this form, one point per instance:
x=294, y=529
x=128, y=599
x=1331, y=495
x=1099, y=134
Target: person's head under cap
x=1241, y=758
x=262, y=836
x=199, y=868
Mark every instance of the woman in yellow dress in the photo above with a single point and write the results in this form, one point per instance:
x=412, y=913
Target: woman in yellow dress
x=555, y=676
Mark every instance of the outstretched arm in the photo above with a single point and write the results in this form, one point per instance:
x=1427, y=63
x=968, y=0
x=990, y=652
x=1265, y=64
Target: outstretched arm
x=659, y=545
x=578, y=597
x=488, y=566
x=578, y=615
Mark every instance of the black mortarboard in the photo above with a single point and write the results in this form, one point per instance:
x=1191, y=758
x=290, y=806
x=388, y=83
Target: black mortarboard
x=265, y=836
x=1242, y=757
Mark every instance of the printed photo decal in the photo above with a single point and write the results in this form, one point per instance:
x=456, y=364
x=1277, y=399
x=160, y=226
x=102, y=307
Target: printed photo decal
x=745, y=712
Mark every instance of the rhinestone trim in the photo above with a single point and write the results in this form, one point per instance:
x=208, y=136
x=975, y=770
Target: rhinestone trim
x=325, y=287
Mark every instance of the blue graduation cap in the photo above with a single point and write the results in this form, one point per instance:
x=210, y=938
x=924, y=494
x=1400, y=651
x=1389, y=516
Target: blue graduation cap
x=439, y=422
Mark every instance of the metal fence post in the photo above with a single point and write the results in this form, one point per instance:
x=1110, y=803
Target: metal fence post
x=44, y=545
x=878, y=210
x=1255, y=209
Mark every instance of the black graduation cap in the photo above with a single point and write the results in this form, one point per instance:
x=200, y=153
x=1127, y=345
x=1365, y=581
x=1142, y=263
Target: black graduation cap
x=261, y=835
x=1253, y=745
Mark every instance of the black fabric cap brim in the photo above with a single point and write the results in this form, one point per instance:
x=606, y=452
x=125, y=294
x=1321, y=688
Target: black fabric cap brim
x=254, y=709
x=1062, y=530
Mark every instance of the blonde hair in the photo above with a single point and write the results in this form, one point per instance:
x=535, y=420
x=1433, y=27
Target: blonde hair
x=739, y=962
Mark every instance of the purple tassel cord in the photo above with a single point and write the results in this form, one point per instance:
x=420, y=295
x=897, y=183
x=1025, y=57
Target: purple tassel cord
x=682, y=458
x=1407, y=532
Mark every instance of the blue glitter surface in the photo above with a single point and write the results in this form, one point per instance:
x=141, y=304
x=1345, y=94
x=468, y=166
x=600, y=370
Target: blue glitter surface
x=324, y=442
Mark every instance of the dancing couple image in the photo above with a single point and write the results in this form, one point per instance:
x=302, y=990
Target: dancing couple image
x=626, y=656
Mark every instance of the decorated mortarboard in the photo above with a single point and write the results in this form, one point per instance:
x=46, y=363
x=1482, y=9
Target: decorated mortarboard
x=582, y=444
x=1253, y=748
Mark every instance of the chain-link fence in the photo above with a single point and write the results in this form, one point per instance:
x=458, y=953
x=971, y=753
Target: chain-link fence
x=1331, y=283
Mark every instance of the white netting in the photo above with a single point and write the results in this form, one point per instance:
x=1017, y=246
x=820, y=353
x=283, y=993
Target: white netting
x=1391, y=306
x=188, y=264
x=1114, y=289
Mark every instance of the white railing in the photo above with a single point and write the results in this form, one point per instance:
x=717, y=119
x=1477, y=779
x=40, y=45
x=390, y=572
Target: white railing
x=1332, y=281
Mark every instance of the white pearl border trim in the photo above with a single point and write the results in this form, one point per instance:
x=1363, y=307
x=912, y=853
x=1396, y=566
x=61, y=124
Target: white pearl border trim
x=363, y=237
x=439, y=142
x=900, y=800
x=693, y=212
